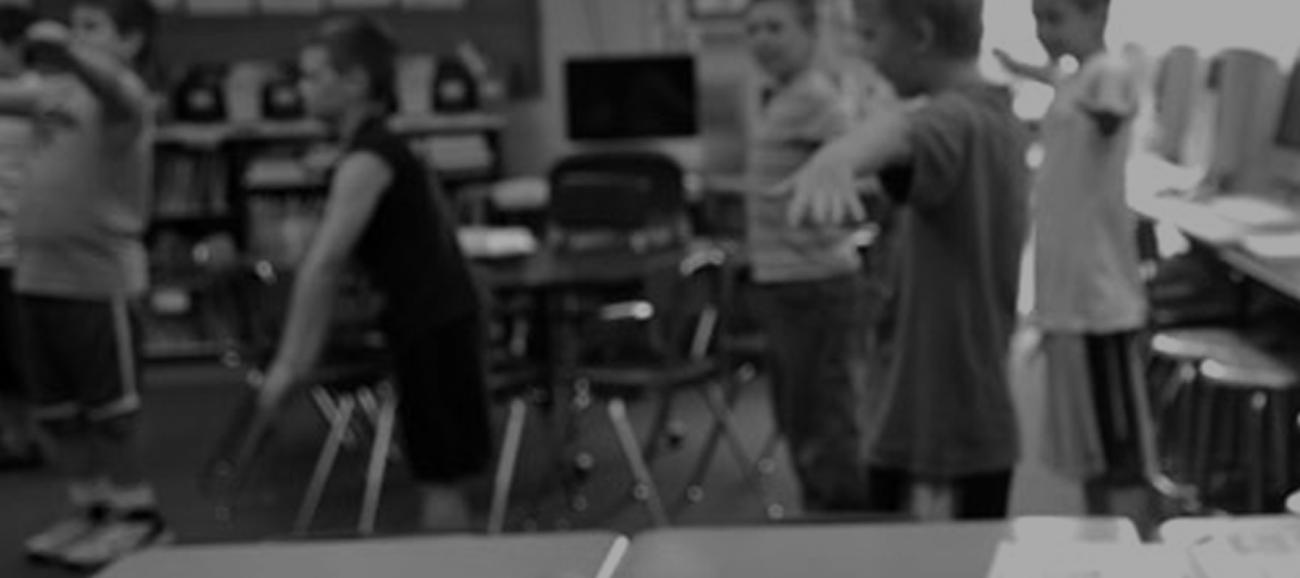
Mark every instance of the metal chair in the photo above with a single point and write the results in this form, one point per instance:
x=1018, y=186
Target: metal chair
x=350, y=389
x=1218, y=382
x=680, y=319
x=630, y=200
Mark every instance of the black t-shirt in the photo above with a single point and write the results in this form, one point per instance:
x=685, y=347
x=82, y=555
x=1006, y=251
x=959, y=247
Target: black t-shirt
x=409, y=248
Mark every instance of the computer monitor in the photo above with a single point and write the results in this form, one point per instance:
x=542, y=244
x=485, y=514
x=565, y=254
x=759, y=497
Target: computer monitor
x=1246, y=86
x=611, y=98
x=1286, y=152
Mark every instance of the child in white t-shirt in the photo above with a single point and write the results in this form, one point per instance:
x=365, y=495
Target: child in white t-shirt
x=81, y=265
x=18, y=448
x=1090, y=299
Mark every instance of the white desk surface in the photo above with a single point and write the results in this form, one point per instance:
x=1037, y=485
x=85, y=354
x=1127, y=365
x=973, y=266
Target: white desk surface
x=573, y=555
x=959, y=549
x=1232, y=240
x=1188, y=531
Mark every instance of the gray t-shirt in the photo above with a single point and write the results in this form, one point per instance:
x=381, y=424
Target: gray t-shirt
x=84, y=211
x=793, y=122
x=944, y=408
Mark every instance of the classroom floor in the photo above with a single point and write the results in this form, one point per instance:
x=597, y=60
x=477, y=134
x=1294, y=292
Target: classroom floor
x=188, y=406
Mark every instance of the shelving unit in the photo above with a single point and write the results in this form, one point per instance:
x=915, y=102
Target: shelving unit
x=236, y=191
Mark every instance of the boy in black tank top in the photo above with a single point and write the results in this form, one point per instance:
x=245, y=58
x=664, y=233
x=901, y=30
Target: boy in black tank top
x=384, y=214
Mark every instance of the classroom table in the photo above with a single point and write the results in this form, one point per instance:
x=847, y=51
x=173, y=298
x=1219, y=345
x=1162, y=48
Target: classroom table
x=1231, y=241
x=550, y=270
x=930, y=550
x=573, y=555
x=1188, y=531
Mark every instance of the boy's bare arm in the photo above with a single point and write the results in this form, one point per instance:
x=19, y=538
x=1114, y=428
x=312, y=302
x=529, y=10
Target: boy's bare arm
x=107, y=79
x=18, y=100
x=1039, y=73
x=826, y=190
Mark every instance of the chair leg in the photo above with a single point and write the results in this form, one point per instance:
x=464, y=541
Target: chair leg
x=1202, y=458
x=1188, y=425
x=766, y=463
x=1258, y=469
x=1281, y=445
x=330, y=409
x=1146, y=430
x=723, y=426
x=665, y=411
x=632, y=452
x=505, y=474
x=695, y=485
x=324, y=466
x=379, y=453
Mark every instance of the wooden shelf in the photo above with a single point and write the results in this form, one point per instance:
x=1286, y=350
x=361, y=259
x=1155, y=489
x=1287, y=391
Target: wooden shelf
x=184, y=350
x=211, y=136
x=191, y=221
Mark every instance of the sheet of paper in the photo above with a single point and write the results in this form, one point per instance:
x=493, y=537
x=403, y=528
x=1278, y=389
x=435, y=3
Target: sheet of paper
x=219, y=7
x=1082, y=560
x=1265, y=553
x=292, y=6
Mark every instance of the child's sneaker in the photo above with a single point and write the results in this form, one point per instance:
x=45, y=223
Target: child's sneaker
x=50, y=545
x=116, y=538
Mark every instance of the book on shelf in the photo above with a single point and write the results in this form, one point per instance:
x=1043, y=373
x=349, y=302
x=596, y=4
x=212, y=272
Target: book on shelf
x=188, y=186
x=456, y=152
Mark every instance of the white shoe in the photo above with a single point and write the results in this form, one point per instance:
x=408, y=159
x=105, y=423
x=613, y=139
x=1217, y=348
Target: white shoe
x=444, y=510
x=114, y=539
x=49, y=545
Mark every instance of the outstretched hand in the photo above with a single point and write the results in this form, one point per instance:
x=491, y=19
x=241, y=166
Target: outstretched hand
x=824, y=192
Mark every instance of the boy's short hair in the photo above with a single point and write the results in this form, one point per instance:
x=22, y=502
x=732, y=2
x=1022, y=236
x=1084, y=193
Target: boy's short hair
x=958, y=24
x=14, y=22
x=359, y=42
x=805, y=11
x=130, y=17
x=1092, y=5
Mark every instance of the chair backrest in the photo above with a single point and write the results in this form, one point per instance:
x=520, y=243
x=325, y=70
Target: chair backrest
x=258, y=305
x=620, y=195
x=689, y=297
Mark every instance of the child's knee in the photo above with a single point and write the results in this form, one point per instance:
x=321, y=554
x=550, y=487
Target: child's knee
x=60, y=422
x=115, y=427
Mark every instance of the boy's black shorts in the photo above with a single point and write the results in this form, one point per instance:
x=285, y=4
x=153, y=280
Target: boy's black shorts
x=81, y=357
x=11, y=378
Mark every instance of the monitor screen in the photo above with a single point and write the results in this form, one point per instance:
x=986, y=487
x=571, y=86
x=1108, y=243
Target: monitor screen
x=1288, y=124
x=616, y=98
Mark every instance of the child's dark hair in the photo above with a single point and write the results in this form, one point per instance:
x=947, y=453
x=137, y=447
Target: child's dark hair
x=14, y=22
x=958, y=24
x=805, y=11
x=358, y=42
x=130, y=17
x=1093, y=5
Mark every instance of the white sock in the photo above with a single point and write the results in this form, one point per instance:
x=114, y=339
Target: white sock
x=88, y=493
x=135, y=498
